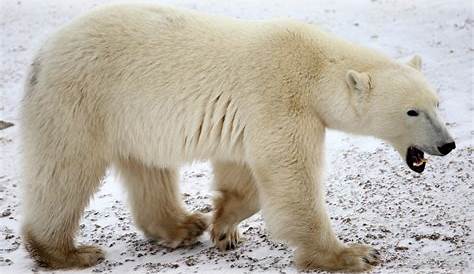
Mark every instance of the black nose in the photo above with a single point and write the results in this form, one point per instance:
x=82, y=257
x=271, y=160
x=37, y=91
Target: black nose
x=446, y=148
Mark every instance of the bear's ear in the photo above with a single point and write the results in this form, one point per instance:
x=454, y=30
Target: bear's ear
x=359, y=81
x=415, y=62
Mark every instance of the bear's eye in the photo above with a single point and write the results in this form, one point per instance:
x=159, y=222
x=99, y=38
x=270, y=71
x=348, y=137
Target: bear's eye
x=412, y=113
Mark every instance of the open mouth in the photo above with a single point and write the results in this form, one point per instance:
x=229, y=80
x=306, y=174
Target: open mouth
x=415, y=159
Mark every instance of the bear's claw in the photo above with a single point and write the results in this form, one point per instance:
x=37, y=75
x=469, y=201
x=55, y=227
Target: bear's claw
x=227, y=240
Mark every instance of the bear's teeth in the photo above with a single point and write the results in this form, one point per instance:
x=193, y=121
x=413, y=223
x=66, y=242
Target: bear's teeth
x=419, y=163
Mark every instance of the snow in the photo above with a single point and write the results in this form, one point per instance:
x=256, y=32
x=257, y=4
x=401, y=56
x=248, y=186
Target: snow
x=421, y=223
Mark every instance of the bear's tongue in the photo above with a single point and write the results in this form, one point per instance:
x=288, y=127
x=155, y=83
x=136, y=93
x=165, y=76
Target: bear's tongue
x=415, y=159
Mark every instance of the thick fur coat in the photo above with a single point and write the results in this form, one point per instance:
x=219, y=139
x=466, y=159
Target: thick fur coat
x=147, y=88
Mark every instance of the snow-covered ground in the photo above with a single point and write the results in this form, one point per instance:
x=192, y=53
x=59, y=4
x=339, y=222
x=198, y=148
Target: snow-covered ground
x=421, y=223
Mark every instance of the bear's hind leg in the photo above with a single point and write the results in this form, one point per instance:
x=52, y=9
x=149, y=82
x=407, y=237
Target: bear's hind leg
x=157, y=206
x=237, y=200
x=56, y=192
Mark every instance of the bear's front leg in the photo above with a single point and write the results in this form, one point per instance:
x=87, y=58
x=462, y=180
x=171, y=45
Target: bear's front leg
x=292, y=199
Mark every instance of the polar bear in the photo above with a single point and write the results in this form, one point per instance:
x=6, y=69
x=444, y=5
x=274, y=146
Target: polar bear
x=146, y=88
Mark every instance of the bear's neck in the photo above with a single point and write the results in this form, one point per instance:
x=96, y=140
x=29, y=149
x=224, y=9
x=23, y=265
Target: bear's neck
x=333, y=98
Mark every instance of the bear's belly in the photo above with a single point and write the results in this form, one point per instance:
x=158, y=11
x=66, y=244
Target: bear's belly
x=173, y=131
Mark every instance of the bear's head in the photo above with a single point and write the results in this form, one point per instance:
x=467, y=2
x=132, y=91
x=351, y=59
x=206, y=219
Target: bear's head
x=397, y=104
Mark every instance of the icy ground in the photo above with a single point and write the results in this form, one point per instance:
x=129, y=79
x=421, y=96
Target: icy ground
x=421, y=223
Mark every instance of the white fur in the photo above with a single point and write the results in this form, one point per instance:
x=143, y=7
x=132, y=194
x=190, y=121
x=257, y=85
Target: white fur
x=151, y=87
